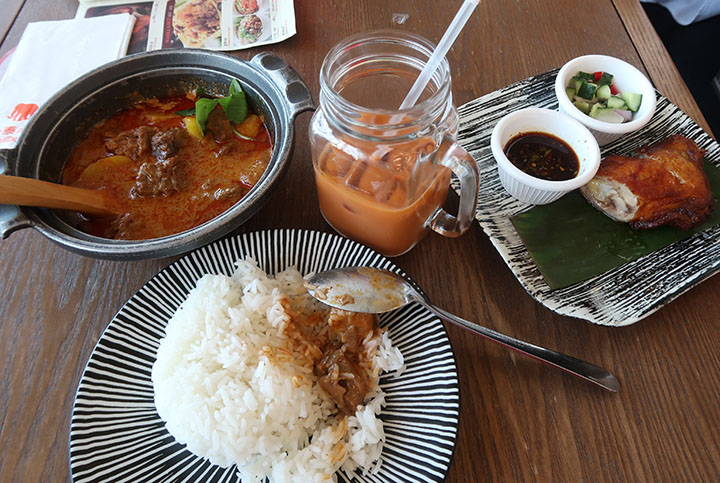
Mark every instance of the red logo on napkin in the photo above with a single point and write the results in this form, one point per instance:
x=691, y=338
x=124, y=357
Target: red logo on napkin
x=22, y=112
x=10, y=134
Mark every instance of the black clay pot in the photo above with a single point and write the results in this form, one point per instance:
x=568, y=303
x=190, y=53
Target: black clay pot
x=272, y=87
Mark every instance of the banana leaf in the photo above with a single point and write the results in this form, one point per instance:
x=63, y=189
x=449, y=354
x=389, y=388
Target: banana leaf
x=570, y=241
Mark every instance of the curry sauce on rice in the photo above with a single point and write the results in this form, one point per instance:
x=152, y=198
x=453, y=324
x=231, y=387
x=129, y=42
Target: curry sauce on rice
x=255, y=372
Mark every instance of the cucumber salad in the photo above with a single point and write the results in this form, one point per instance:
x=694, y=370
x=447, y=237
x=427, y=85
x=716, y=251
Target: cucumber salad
x=595, y=95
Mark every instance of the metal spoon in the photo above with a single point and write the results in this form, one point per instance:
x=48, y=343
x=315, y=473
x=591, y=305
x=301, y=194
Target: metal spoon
x=373, y=290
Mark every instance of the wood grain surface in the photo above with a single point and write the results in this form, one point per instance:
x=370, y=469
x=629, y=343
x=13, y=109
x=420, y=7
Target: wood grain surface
x=520, y=420
x=10, y=9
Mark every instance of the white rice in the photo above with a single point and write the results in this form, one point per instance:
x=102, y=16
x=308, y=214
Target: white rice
x=226, y=387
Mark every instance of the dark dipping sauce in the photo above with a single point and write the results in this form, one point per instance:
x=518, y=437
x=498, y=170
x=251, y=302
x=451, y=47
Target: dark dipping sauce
x=543, y=156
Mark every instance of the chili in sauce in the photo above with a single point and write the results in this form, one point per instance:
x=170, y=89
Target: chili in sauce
x=543, y=156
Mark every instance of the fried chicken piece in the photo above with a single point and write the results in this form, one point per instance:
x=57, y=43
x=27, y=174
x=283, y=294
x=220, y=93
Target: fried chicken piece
x=664, y=184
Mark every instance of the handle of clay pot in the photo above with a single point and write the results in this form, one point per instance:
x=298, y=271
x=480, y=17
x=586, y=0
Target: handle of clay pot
x=454, y=157
x=11, y=218
x=288, y=81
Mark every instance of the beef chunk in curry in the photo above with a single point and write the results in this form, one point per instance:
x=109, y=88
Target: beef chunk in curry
x=342, y=378
x=335, y=343
x=166, y=144
x=133, y=143
x=163, y=173
x=220, y=127
x=159, y=177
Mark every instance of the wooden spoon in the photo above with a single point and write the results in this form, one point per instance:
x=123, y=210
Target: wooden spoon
x=15, y=190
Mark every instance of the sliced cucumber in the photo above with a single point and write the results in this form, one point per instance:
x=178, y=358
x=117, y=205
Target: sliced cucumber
x=603, y=92
x=593, y=95
x=616, y=102
x=632, y=99
x=606, y=114
x=605, y=79
x=587, y=90
x=583, y=106
x=575, y=83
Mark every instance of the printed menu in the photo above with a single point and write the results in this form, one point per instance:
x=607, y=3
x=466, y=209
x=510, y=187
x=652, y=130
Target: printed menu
x=206, y=24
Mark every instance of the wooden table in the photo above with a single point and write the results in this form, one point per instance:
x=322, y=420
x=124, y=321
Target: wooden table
x=520, y=420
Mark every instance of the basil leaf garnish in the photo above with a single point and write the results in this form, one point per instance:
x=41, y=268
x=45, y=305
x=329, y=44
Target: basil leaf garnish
x=235, y=88
x=203, y=108
x=234, y=105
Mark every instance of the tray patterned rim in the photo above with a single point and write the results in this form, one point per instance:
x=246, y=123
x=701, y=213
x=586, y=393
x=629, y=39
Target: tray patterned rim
x=116, y=433
x=621, y=296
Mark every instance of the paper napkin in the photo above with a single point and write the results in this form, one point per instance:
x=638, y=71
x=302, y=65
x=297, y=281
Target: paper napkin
x=49, y=56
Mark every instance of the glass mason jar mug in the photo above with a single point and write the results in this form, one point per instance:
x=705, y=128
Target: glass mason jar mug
x=383, y=173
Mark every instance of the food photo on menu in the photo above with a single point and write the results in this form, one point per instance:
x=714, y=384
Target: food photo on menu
x=197, y=22
x=306, y=352
x=208, y=24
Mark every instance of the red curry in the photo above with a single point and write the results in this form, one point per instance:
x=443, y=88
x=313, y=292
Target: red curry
x=167, y=176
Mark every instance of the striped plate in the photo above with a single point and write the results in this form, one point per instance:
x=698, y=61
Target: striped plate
x=117, y=435
x=621, y=296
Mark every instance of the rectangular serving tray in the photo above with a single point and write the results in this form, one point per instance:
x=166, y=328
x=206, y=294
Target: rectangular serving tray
x=621, y=296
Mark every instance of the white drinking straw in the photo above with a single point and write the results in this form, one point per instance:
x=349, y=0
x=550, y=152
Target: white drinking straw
x=434, y=61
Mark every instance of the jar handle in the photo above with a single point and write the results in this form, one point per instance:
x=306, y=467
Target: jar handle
x=461, y=163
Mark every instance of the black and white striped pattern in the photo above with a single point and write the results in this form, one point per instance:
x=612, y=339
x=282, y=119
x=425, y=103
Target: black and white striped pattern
x=117, y=435
x=621, y=296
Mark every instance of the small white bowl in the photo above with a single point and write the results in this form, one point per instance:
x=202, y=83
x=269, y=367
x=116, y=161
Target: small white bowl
x=534, y=190
x=625, y=78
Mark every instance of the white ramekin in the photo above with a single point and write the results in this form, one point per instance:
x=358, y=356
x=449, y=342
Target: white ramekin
x=625, y=78
x=534, y=190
